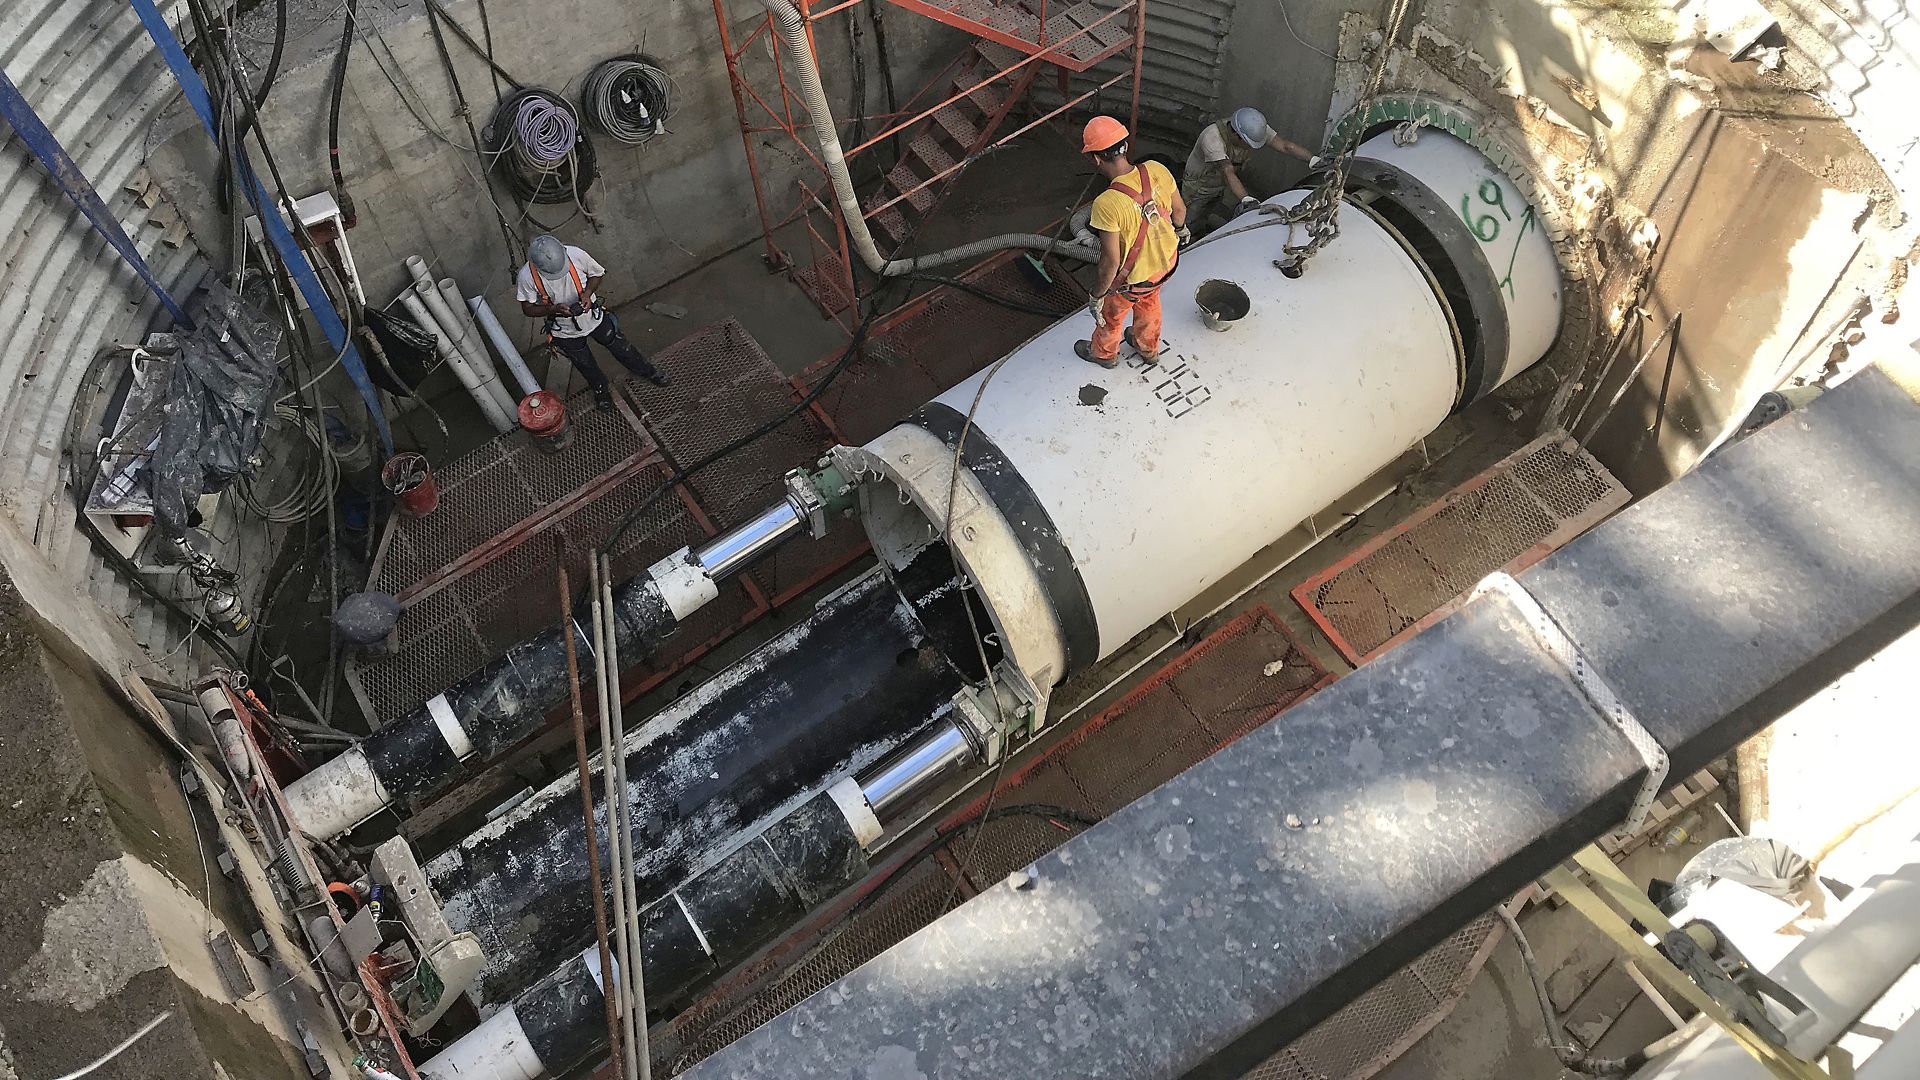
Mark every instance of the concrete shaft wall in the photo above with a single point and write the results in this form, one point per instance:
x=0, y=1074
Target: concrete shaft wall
x=106, y=873
x=663, y=208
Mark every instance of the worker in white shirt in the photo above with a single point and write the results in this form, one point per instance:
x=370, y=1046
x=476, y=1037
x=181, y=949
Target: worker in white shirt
x=560, y=283
x=1212, y=188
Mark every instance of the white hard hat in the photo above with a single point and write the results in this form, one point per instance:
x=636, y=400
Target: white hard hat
x=1251, y=125
x=547, y=254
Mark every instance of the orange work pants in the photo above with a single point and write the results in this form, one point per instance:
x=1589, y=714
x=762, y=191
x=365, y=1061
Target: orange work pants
x=1114, y=307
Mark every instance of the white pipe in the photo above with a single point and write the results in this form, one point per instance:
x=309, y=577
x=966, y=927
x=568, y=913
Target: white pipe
x=639, y=1062
x=466, y=338
x=615, y=808
x=417, y=269
x=793, y=29
x=496, y=1050
x=502, y=344
x=413, y=300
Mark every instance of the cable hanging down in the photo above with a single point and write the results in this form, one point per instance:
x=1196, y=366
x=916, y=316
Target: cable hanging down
x=628, y=99
x=535, y=141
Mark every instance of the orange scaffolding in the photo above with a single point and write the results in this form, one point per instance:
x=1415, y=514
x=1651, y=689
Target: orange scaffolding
x=976, y=93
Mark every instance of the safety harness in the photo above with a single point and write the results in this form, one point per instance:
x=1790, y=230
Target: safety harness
x=540, y=286
x=1142, y=197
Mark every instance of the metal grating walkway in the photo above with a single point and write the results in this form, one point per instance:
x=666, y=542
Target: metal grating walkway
x=1414, y=574
x=476, y=575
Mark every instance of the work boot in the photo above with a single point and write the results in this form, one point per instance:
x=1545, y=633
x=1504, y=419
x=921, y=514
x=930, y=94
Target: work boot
x=658, y=378
x=603, y=399
x=1084, y=350
x=1145, y=356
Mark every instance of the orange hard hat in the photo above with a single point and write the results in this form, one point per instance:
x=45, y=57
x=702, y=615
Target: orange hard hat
x=1102, y=133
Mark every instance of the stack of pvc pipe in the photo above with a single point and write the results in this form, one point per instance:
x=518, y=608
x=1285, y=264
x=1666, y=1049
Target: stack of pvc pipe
x=502, y=344
x=437, y=307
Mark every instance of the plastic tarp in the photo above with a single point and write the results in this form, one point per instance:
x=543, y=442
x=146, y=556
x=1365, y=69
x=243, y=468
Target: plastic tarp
x=219, y=391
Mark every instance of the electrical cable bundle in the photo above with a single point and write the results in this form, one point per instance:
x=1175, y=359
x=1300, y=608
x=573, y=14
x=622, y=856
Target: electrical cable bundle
x=628, y=99
x=535, y=141
x=310, y=492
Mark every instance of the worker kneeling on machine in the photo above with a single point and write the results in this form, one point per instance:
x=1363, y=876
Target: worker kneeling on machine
x=560, y=283
x=1141, y=222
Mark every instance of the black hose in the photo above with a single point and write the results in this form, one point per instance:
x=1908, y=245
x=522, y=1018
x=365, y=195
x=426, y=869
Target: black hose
x=628, y=98
x=333, y=108
x=681, y=475
x=886, y=75
x=1569, y=1055
x=989, y=295
x=273, y=61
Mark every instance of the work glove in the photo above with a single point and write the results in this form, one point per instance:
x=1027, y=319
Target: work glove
x=1183, y=234
x=1246, y=204
x=1093, y=306
x=1316, y=161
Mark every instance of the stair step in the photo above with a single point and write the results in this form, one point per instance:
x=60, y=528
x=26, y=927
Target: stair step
x=902, y=178
x=985, y=96
x=998, y=57
x=825, y=283
x=893, y=224
x=956, y=125
x=932, y=155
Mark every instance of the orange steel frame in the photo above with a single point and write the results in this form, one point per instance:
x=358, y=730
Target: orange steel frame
x=749, y=105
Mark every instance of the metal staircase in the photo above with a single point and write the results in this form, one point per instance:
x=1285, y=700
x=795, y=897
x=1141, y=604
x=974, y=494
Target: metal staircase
x=960, y=113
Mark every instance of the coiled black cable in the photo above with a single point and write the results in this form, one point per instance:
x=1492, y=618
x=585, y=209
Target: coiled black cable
x=535, y=143
x=628, y=98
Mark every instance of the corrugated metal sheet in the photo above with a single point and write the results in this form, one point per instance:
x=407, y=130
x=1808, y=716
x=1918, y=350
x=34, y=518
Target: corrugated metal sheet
x=1180, y=78
x=93, y=76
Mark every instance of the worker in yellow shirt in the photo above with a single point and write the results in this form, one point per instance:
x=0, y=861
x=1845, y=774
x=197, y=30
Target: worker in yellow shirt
x=1141, y=223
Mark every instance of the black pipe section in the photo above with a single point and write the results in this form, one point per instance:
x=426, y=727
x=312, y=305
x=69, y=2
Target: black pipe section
x=506, y=701
x=703, y=928
x=820, y=701
x=752, y=896
x=564, y=1016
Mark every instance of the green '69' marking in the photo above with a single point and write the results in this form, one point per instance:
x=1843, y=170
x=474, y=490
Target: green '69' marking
x=1486, y=227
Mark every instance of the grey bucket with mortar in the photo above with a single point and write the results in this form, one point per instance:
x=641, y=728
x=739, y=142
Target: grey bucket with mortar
x=1222, y=303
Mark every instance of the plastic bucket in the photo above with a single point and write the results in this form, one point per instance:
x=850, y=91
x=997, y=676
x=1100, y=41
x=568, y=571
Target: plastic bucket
x=409, y=479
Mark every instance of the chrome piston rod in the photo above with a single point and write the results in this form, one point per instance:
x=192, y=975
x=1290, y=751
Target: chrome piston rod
x=738, y=547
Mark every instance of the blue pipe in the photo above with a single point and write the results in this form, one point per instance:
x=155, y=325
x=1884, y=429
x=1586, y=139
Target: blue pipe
x=67, y=176
x=303, y=276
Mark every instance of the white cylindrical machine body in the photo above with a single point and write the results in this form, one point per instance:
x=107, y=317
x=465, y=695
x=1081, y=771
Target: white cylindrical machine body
x=1094, y=502
x=414, y=301
x=502, y=344
x=1509, y=231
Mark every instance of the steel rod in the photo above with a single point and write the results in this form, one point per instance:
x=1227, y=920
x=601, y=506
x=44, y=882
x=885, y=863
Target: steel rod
x=593, y=840
x=1633, y=376
x=610, y=801
x=639, y=1059
x=1666, y=380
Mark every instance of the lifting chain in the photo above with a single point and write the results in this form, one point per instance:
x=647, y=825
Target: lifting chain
x=1318, y=214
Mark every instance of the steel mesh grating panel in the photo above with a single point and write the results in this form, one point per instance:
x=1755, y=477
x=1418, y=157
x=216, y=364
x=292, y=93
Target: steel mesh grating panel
x=723, y=385
x=1531, y=502
x=1143, y=739
x=1378, y=1026
x=523, y=504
